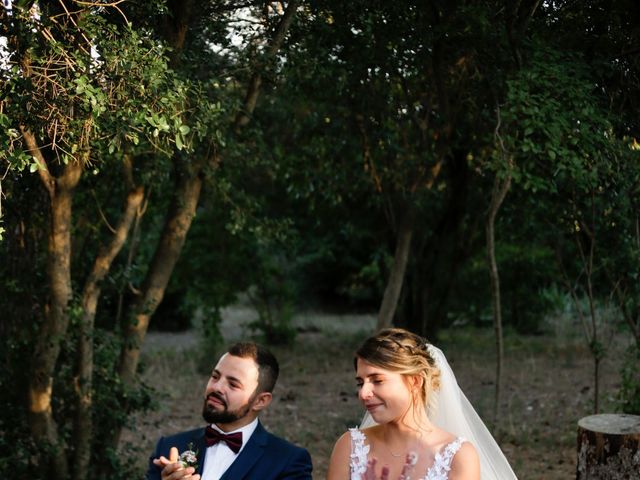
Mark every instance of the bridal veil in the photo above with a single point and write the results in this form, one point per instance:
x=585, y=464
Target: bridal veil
x=450, y=410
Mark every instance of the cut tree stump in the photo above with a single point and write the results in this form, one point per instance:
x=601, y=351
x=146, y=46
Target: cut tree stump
x=609, y=447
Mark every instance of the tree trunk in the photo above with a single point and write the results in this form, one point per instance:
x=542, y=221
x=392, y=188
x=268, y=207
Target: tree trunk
x=595, y=346
x=83, y=428
x=398, y=268
x=176, y=27
x=47, y=349
x=500, y=189
x=176, y=227
x=608, y=447
x=440, y=259
x=177, y=224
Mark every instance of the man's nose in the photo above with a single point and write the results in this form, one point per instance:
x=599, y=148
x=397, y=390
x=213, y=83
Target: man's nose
x=215, y=386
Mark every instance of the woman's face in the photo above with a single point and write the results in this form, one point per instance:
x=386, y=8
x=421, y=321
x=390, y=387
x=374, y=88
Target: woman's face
x=385, y=394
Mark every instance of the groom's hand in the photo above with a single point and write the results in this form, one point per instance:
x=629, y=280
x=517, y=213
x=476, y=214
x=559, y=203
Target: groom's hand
x=175, y=471
x=164, y=461
x=172, y=469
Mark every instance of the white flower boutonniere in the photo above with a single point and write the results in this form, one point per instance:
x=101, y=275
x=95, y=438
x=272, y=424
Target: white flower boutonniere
x=189, y=458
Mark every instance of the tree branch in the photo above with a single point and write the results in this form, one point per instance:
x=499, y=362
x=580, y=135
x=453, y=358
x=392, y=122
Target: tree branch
x=253, y=91
x=83, y=428
x=43, y=170
x=572, y=292
x=526, y=18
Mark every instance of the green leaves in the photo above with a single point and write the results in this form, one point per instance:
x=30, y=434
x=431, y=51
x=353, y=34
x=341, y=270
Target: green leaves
x=553, y=124
x=11, y=150
x=89, y=95
x=181, y=132
x=177, y=129
x=159, y=124
x=35, y=165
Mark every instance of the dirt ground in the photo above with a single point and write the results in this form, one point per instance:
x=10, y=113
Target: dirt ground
x=548, y=387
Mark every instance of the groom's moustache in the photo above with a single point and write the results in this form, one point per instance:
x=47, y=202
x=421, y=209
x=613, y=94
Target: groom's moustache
x=218, y=397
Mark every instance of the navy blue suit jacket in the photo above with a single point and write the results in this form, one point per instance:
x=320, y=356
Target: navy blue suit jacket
x=264, y=457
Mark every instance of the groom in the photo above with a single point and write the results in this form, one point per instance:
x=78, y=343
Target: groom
x=235, y=446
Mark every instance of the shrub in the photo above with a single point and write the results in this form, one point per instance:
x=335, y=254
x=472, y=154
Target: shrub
x=629, y=394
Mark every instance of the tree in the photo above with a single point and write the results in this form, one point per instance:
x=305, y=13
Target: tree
x=408, y=79
x=566, y=152
x=86, y=91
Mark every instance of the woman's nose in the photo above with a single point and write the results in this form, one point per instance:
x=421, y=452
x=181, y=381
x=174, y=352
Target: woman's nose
x=365, y=392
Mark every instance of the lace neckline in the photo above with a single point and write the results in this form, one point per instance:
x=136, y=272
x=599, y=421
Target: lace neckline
x=439, y=470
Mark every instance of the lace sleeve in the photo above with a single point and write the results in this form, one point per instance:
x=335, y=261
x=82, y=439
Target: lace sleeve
x=442, y=464
x=359, y=453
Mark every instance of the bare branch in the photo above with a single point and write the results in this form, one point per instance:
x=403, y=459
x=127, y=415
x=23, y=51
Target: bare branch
x=572, y=292
x=43, y=170
x=102, y=215
x=253, y=90
x=526, y=18
x=113, y=5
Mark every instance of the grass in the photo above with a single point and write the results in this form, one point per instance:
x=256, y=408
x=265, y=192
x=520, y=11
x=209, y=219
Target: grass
x=547, y=388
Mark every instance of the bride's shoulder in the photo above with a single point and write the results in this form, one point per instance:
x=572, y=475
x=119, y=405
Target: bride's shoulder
x=344, y=441
x=441, y=438
x=465, y=462
x=340, y=461
x=355, y=435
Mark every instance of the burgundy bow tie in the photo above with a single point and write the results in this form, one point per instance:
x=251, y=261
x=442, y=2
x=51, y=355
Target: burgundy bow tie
x=213, y=436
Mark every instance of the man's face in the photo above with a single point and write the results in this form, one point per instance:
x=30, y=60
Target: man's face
x=231, y=391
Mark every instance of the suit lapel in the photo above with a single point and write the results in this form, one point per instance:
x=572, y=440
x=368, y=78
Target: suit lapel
x=249, y=455
x=200, y=446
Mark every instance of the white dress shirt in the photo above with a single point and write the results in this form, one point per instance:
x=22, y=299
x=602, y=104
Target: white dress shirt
x=219, y=457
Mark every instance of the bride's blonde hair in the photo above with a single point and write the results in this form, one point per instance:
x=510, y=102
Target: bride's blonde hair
x=403, y=352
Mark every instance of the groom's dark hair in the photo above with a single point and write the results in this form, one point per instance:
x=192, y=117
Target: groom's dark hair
x=268, y=368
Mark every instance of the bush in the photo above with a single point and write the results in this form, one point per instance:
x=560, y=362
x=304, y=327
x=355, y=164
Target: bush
x=273, y=297
x=629, y=394
x=18, y=452
x=527, y=283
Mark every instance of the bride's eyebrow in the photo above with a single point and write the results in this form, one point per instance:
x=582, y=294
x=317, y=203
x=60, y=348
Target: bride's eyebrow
x=372, y=375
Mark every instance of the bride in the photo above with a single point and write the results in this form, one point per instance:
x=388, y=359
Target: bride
x=419, y=425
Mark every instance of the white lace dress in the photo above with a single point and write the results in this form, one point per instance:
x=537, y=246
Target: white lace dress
x=438, y=471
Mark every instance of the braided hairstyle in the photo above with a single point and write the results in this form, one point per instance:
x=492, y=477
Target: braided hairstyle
x=403, y=352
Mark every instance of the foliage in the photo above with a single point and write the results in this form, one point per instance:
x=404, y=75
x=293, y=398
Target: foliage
x=629, y=394
x=89, y=88
x=370, y=110
x=527, y=271
x=19, y=451
x=109, y=396
x=273, y=295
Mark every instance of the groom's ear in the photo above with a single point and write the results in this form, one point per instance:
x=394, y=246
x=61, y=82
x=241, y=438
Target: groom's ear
x=262, y=401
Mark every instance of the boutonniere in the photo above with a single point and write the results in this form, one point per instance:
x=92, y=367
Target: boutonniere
x=189, y=458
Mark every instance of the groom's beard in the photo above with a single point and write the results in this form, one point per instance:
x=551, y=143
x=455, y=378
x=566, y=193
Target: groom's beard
x=211, y=415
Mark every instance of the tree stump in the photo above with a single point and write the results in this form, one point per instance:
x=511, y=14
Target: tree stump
x=609, y=447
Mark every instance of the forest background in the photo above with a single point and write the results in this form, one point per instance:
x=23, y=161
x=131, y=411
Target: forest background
x=452, y=166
